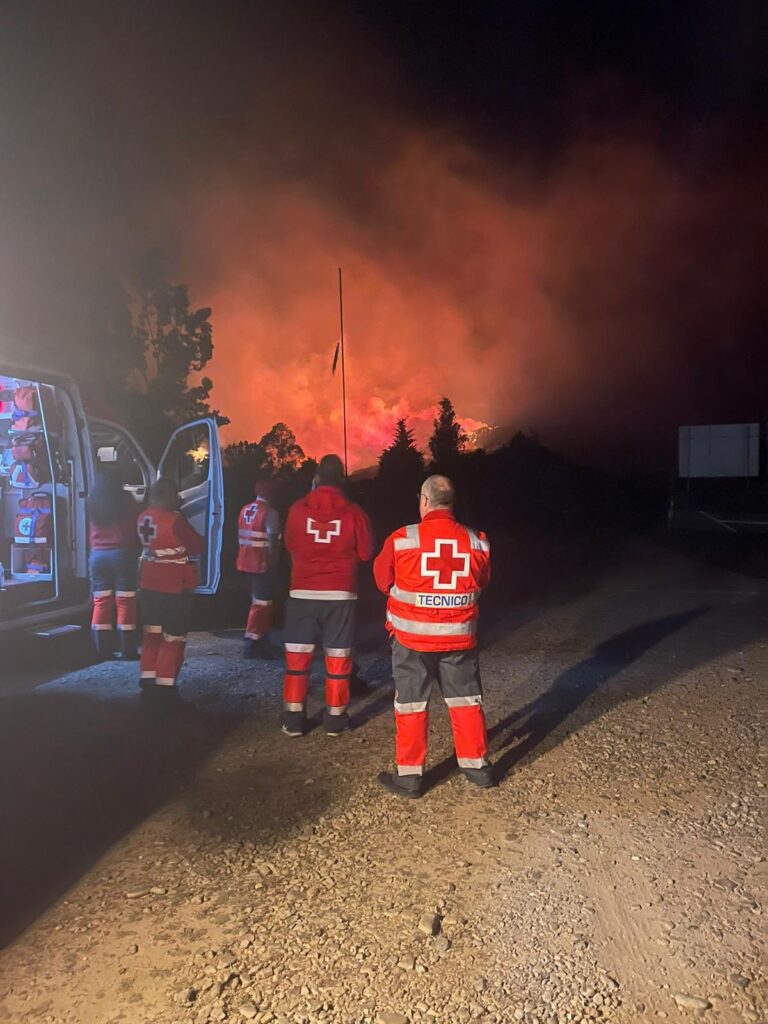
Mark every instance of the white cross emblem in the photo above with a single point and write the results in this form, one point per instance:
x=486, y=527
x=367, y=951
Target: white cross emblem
x=250, y=514
x=453, y=564
x=331, y=529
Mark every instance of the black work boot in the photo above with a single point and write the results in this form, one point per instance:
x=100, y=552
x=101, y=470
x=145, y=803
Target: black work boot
x=335, y=725
x=161, y=702
x=161, y=695
x=483, y=778
x=129, y=648
x=293, y=723
x=409, y=786
x=104, y=642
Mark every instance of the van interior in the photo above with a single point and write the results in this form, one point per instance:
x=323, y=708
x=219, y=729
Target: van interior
x=41, y=477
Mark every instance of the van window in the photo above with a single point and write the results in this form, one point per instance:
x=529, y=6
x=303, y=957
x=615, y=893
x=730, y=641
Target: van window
x=187, y=461
x=113, y=445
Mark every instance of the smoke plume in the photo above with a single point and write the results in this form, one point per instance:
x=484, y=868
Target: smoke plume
x=599, y=296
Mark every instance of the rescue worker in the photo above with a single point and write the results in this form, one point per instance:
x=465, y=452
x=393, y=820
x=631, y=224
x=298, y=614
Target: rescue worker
x=258, y=556
x=113, y=567
x=433, y=573
x=166, y=579
x=327, y=536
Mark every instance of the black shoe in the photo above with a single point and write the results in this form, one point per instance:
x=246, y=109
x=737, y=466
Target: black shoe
x=104, y=642
x=167, y=695
x=483, y=778
x=335, y=725
x=294, y=723
x=129, y=650
x=409, y=786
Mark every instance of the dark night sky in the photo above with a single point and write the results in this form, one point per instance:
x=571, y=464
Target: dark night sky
x=552, y=212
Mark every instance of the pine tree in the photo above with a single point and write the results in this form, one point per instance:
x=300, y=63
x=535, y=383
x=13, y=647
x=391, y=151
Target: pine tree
x=401, y=464
x=448, y=437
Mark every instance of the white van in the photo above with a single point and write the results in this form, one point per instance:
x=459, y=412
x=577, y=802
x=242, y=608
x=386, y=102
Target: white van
x=49, y=453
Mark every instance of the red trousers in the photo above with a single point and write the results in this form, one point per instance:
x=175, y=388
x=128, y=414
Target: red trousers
x=165, y=618
x=110, y=605
x=260, y=613
x=334, y=623
x=162, y=656
x=457, y=675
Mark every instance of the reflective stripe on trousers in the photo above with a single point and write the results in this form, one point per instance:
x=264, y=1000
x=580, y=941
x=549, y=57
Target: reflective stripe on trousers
x=162, y=656
x=298, y=664
x=259, y=619
x=456, y=674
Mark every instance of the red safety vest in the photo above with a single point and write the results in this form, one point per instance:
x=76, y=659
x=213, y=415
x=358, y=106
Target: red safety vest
x=165, y=564
x=440, y=568
x=252, y=555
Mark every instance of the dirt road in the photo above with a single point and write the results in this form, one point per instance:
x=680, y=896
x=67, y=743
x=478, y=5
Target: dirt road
x=207, y=868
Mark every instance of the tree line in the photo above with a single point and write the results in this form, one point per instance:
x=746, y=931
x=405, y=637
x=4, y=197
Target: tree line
x=140, y=351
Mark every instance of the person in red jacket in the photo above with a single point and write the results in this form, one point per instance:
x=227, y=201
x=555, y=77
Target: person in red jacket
x=166, y=578
x=258, y=534
x=112, y=566
x=326, y=536
x=433, y=573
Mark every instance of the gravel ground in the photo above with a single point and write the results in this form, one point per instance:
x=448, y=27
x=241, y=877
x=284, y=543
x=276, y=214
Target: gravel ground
x=205, y=868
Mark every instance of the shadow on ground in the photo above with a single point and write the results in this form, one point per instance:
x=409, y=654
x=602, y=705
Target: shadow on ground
x=587, y=690
x=77, y=774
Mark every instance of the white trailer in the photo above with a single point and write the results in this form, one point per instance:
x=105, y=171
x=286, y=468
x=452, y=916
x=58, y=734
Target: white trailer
x=722, y=480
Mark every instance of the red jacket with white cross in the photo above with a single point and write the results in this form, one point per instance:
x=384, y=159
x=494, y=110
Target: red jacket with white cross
x=433, y=572
x=326, y=536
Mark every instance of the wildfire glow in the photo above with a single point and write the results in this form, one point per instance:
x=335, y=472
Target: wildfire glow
x=515, y=302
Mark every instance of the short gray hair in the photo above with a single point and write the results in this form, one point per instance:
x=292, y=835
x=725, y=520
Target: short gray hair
x=439, y=492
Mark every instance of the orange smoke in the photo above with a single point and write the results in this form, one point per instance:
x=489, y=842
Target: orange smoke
x=600, y=283
x=526, y=304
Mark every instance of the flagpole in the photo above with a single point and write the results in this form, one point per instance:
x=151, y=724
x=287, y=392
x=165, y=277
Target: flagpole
x=343, y=372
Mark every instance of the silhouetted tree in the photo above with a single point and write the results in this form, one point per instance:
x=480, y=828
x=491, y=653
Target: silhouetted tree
x=246, y=459
x=401, y=464
x=448, y=437
x=282, y=452
x=110, y=353
x=177, y=344
x=277, y=455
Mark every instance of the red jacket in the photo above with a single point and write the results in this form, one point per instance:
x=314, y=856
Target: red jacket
x=258, y=528
x=168, y=542
x=120, y=535
x=433, y=573
x=326, y=536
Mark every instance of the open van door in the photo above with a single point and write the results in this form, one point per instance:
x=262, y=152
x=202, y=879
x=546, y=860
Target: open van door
x=193, y=461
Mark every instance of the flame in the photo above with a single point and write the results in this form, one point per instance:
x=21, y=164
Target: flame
x=532, y=305
x=200, y=454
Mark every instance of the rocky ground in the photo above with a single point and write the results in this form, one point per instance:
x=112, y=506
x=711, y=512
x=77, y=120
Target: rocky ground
x=205, y=868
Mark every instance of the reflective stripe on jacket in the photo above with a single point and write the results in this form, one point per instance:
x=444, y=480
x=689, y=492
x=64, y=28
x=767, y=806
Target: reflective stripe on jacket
x=167, y=542
x=433, y=572
x=258, y=522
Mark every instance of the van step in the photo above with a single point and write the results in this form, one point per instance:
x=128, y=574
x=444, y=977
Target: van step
x=57, y=630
